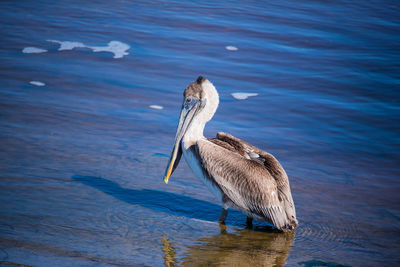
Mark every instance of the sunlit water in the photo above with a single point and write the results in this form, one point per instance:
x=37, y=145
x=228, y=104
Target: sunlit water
x=85, y=135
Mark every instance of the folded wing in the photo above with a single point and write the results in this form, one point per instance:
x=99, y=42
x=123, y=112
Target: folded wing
x=252, y=179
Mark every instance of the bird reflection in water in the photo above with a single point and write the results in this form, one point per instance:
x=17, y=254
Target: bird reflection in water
x=168, y=252
x=244, y=247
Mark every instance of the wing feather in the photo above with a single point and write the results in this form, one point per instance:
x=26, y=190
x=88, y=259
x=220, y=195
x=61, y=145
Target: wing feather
x=252, y=179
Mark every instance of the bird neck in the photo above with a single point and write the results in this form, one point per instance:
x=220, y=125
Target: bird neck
x=196, y=129
x=193, y=133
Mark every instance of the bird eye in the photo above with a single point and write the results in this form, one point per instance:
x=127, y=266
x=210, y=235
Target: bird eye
x=189, y=100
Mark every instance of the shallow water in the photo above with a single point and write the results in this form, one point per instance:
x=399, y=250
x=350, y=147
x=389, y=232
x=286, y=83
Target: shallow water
x=82, y=157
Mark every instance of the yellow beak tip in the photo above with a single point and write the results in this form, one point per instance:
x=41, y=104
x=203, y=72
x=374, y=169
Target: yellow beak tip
x=166, y=180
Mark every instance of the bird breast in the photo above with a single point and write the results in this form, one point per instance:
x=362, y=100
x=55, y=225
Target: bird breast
x=194, y=161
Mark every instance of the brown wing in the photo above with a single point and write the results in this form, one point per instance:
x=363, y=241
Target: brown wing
x=251, y=178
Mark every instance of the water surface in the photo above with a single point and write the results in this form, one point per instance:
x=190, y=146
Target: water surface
x=82, y=157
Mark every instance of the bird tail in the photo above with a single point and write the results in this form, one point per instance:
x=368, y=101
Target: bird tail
x=290, y=226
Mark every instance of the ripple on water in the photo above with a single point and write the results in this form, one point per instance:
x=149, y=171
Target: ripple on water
x=332, y=236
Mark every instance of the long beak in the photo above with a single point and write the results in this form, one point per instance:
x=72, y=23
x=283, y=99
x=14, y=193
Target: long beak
x=187, y=114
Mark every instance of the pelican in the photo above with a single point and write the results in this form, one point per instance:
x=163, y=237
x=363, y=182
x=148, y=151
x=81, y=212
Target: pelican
x=242, y=176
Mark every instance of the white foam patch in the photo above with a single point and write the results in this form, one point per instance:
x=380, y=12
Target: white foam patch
x=116, y=47
x=156, y=107
x=33, y=50
x=243, y=96
x=67, y=45
x=37, y=83
x=119, y=49
x=231, y=48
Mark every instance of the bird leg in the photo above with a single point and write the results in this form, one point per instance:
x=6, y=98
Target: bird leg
x=249, y=221
x=222, y=228
x=222, y=218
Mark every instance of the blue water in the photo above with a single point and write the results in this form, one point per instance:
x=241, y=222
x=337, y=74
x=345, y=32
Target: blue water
x=82, y=158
